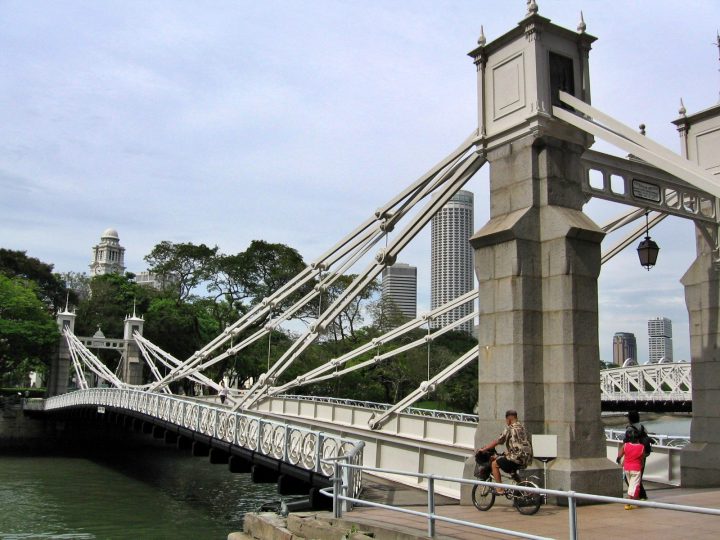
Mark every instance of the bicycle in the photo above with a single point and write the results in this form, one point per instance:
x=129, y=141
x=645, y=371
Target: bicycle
x=525, y=502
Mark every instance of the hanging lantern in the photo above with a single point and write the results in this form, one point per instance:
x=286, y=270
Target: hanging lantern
x=647, y=250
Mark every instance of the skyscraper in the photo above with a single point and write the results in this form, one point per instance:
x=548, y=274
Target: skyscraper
x=624, y=347
x=660, y=339
x=399, y=284
x=451, y=266
x=108, y=255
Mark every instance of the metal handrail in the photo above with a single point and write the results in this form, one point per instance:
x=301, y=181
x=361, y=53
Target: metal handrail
x=374, y=405
x=431, y=516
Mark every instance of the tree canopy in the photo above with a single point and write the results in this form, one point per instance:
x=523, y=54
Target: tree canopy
x=51, y=289
x=28, y=333
x=209, y=291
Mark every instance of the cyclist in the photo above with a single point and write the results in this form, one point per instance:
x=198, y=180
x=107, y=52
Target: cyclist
x=518, y=450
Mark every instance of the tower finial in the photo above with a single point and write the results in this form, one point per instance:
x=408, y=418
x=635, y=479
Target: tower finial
x=134, y=316
x=682, y=110
x=67, y=301
x=581, y=27
x=481, y=39
x=532, y=7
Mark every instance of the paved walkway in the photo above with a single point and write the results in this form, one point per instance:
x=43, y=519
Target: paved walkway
x=604, y=521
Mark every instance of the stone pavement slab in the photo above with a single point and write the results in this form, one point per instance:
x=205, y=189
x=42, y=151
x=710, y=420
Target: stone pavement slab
x=603, y=521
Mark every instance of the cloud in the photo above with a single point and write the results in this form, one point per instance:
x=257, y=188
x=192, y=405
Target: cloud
x=292, y=122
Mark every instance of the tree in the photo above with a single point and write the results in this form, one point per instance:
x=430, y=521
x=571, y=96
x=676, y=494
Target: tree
x=50, y=288
x=113, y=297
x=28, y=333
x=79, y=283
x=172, y=327
x=188, y=264
x=352, y=316
x=246, y=278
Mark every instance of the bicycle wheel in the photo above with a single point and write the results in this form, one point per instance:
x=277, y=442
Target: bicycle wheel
x=525, y=502
x=483, y=497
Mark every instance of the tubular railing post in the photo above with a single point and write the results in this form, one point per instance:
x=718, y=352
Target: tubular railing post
x=337, y=486
x=572, y=515
x=258, y=447
x=287, y=442
x=348, y=479
x=318, y=452
x=431, y=507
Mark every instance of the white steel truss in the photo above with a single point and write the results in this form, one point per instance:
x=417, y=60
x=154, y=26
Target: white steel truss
x=649, y=382
x=81, y=357
x=663, y=180
x=447, y=176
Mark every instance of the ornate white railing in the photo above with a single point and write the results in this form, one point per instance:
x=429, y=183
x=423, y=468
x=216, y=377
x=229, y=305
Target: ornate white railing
x=669, y=441
x=649, y=382
x=296, y=445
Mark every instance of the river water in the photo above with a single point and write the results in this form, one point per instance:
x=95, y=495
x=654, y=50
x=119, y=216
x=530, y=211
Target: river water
x=152, y=492
x=660, y=424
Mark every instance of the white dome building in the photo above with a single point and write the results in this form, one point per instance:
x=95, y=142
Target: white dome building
x=108, y=255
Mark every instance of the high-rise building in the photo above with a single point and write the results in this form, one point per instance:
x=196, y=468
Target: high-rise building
x=451, y=266
x=660, y=340
x=399, y=284
x=108, y=255
x=624, y=347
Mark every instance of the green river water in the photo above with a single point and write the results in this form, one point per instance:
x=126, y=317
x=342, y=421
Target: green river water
x=157, y=492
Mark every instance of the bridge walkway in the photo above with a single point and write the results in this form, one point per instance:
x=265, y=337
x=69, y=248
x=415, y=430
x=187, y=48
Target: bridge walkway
x=601, y=521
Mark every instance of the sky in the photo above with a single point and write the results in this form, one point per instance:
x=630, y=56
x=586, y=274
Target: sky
x=221, y=122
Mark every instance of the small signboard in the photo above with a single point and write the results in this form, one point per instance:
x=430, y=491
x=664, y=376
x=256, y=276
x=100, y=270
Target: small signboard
x=544, y=447
x=646, y=191
x=101, y=410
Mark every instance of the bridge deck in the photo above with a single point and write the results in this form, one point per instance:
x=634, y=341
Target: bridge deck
x=598, y=521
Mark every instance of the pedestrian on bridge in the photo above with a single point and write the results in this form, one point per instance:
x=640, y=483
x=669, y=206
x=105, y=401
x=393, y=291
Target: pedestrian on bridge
x=224, y=391
x=631, y=454
x=634, y=426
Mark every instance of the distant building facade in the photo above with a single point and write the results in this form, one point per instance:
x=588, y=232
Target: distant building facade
x=108, y=257
x=624, y=348
x=660, y=340
x=451, y=266
x=155, y=281
x=399, y=284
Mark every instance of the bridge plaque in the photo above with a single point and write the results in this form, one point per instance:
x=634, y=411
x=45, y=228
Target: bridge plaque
x=646, y=191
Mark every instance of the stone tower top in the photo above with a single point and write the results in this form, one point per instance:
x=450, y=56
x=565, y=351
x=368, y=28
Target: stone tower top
x=520, y=74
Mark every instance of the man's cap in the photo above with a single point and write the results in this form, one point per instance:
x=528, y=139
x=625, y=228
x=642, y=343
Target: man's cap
x=511, y=412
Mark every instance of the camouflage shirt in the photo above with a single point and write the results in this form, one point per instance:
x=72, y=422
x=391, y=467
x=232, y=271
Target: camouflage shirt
x=517, y=444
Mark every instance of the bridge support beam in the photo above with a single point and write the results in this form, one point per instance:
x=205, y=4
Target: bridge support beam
x=236, y=464
x=200, y=449
x=289, y=485
x=263, y=475
x=700, y=460
x=60, y=365
x=538, y=258
x=219, y=457
x=183, y=443
x=537, y=262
